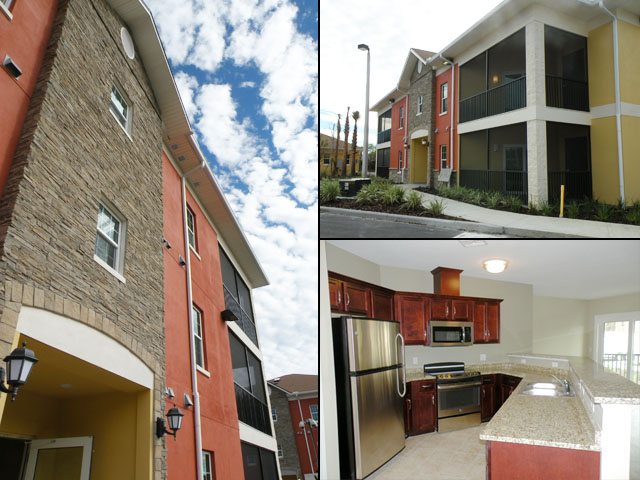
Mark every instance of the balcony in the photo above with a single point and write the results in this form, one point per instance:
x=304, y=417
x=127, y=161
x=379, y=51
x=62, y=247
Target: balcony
x=502, y=99
x=384, y=136
x=617, y=362
x=565, y=93
x=506, y=182
x=244, y=321
x=252, y=411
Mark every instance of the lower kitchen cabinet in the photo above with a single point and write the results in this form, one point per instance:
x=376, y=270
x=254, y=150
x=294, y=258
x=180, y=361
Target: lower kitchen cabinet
x=421, y=411
x=507, y=384
x=488, y=397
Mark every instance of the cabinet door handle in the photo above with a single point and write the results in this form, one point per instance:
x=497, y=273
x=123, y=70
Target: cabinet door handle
x=454, y=311
x=346, y=294
x=339, y=298
x=433, y=399
x=447, y=314
x=483, y=392
x=425, y=334
x=409, y=403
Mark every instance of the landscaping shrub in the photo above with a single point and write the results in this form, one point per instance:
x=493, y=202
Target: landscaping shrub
x=329, y=190
x=633, y=216
x=533, y=209
x=494, y=199
x=547, y=209
x=436, y=207
x=513, y=203
x=367, y=195
x=573, y=209
x=413, y=201
x=393, y=195
x=603, y=212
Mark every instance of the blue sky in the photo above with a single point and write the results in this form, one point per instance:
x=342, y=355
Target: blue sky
x=247, y=74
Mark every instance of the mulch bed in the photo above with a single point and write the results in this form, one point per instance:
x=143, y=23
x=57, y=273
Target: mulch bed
x=394, y=209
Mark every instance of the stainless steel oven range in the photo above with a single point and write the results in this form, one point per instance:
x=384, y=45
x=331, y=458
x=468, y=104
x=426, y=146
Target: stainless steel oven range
x=458, y=395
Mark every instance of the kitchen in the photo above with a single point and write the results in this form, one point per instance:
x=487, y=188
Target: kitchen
x=518, y=396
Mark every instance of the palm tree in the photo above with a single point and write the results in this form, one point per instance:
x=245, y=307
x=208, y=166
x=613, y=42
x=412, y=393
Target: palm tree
x=346, y=144
x=334, y=164
x=356, y=116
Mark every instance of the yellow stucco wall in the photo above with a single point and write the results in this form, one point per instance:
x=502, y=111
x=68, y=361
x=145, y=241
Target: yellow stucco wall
x=631, y=162
x=604, y=159
x=326, y=169
x=629, y=60
x=600, y=52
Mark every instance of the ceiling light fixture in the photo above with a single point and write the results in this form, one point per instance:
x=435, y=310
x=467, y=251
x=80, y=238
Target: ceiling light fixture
x=495, y=265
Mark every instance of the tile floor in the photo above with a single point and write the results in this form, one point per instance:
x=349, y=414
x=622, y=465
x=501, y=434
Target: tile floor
x=453, y=455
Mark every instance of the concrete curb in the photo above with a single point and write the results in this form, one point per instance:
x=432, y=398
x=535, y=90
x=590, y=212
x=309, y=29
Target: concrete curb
x=450, y=224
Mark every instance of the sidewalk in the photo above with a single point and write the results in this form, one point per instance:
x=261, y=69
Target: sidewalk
x=530, y=224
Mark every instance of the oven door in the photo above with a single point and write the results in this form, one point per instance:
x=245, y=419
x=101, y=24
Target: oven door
x=458, y=398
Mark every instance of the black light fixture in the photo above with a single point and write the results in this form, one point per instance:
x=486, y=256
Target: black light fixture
x=19, y=365
x=174, y=416
x=181, y=261
x=229, y=316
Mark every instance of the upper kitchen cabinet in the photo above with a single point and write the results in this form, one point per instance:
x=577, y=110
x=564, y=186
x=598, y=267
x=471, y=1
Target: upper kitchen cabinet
x=412, y=310
x=335, y=295
x=357, y=298
x=382, y=303
x=450, y=309
x=348, y=295
x=486, y=321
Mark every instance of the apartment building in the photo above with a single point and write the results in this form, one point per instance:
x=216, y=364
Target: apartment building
x=535, y=101
x=122, y=265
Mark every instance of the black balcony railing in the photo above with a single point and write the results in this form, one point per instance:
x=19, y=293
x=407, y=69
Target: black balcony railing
x=244, y=321
x=577, y=185
x=507, y=97
x=617, y=362
x=565, y=93
x=252, y=411
x=506, y=182
x=384, y=136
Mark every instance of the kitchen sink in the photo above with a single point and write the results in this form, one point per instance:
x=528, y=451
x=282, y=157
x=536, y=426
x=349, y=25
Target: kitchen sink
x=544, y=389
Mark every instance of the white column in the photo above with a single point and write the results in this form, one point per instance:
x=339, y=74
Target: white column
x=536, y=129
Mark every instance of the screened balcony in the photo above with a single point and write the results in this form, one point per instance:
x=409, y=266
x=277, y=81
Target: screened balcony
x=384, y=127
x=566, y=69
x=494, y=81
x=568, y=161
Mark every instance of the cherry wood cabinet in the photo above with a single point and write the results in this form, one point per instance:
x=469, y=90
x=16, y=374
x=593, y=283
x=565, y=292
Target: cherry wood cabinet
x=382, y=304
x=488, y=397
x=421, y=411
x=349, y=295
x=506, y=385
x=412, y=311
x=357, y=298
x=486, y=321
x=440, y=309
x=335, y=294
x=450, y=309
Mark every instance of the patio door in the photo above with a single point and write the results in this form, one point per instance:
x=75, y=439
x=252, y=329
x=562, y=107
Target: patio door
x=618, y=343
x=515, y=164
x=59, y=459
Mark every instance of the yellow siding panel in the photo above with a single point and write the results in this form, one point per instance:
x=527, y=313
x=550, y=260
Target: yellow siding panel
x=631, y=161
x=629, y=53
x=600, y=51
x=604, y=159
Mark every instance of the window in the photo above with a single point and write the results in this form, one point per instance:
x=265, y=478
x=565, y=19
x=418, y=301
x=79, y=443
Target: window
x=237, y=297
x=347, y=164
x=326, y=160
x=274, y=415
x=618, y=343
x=7, y=6
x=443, y=156
x=109, y=249
x=259, y=464
x=121, y=109
x=280, y=454
x=419, y=104
x=191, y=228
x=207, y=466
x=314, y=412
x=443, y=97
x=401, y=117
x=197, y=336
x=400, y=159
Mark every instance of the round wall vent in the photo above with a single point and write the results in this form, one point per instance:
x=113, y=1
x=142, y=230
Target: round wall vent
x=127, y=43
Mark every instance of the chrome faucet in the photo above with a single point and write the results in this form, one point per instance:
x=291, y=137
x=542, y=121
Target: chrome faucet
x=565, y=383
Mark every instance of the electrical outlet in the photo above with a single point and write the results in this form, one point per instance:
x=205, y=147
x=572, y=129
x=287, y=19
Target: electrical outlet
x=415, y=360
x=523, y=360
x=554, y=364
x=483, y=357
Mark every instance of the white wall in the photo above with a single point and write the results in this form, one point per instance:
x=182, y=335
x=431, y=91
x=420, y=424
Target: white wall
x=560, y=326
x=346, y=263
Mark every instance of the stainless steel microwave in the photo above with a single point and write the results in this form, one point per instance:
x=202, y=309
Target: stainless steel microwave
x=451, y=334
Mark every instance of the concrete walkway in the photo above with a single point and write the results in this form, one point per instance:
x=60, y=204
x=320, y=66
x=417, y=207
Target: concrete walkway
x=531, y=223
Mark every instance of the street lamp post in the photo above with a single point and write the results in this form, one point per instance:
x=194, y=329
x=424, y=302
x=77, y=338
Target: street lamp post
x=365, y=149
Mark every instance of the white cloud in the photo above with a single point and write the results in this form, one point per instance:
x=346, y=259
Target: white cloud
x=248, y=84
x=188, y=87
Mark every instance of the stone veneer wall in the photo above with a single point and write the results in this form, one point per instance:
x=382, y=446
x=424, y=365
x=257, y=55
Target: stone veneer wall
x=285, y=432
x=72, y=154
x=423, y=84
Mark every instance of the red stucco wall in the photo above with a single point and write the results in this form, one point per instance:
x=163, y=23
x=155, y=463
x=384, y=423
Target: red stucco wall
x=24, y=39
x=303, y=452
x=398, y=134
x=219, y=417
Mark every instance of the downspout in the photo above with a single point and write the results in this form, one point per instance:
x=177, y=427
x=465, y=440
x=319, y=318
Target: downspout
x=406, y=135
x=194, y=378
x=304, y=431
x=617, y=90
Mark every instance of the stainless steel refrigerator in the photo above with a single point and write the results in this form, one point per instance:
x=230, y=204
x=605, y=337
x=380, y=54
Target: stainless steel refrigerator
x=370, y=384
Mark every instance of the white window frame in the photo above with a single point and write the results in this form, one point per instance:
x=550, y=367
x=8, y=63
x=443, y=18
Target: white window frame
x=326, y=160
x=118, y=269
x=444, y=95
x=191, y=232
x=443, y=149
x=280, y=454
x=5, y=6
x=311, y=411
x=206, y=462
x=419, y=105
x=598, y=340
x=401, y=118
x=128, y=122
x=274, y=414
x=197, y=324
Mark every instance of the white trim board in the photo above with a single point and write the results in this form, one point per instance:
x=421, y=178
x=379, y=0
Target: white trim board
x=603, y=111
x=85, y=343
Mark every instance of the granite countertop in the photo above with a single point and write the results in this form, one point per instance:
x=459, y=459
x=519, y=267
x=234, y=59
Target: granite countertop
x=535, y=420
x=413, y=375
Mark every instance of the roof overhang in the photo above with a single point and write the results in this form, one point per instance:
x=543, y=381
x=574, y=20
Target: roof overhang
x=389, y=99
x=178, y=135
x=413, y=57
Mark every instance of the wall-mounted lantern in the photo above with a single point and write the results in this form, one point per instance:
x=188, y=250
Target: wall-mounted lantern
x=19, y=365
x=174, y=417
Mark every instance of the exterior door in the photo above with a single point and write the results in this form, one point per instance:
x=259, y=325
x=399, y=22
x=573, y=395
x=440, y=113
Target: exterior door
x=59, y=459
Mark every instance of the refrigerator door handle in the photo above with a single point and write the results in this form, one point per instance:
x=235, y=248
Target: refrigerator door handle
x=404, y=373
